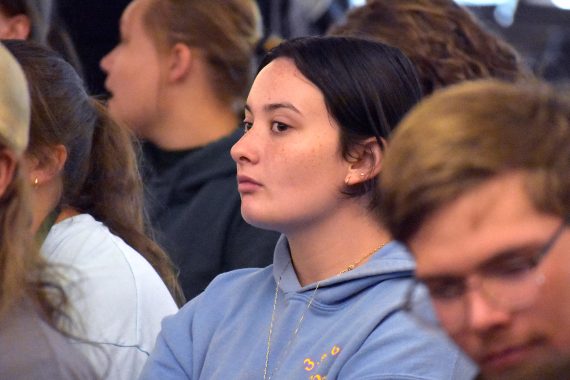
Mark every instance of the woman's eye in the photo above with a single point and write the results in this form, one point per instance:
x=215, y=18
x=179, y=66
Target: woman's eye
x=246, y=125
x=279, y=127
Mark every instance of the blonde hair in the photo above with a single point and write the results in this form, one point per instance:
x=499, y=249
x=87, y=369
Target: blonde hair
x=24, y=274
x=15, y=219
x=226, y=31
x=467, y=134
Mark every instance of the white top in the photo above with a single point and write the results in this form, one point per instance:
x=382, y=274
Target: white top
x=117, y=297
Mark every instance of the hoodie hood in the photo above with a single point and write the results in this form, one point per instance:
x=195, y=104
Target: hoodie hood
x=392, y=261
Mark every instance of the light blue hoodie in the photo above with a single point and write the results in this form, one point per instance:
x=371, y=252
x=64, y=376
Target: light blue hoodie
x=355, y=328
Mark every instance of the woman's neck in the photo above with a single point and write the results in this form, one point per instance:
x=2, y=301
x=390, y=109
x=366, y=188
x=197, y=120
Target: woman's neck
x=186, y=130
x=328, y=248
x=65, y=213
x=46, y=198
x=190, y=116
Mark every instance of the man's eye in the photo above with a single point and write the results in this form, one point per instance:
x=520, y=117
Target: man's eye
x=279, y=127
x=514, y=267
x=445, y=290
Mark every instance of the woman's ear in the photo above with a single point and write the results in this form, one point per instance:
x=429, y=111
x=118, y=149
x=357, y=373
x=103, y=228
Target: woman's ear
x=366, y=161
x=180, y=62
x=7, y=169
x=16, y=27
x=47, y=168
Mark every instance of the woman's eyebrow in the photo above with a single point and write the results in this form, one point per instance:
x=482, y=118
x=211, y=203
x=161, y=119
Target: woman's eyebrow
x=276, y=106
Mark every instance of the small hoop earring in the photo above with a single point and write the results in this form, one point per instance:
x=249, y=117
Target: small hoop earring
x=36, y=182
x=346, y=180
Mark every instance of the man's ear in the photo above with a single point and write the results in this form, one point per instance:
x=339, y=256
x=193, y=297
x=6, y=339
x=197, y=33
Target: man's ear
x=366, y=161
x=180, y=62
x=16, y=27
x=8, y=164
x=48, y=167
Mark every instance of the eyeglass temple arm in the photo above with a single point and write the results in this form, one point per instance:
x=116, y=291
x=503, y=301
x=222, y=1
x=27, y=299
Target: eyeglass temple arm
x=554, y=238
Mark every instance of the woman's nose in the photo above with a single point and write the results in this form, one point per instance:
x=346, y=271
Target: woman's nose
x=244, y=150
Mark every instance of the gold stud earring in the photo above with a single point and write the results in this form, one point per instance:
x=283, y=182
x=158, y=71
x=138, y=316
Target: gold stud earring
x=36, y=182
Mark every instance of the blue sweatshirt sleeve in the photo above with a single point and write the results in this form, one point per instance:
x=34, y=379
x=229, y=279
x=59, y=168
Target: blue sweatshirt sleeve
x=172, y=357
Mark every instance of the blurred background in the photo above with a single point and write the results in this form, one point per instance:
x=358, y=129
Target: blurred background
x=539, y=29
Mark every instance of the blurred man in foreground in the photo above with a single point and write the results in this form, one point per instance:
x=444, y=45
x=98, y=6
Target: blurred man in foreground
x=477, y=184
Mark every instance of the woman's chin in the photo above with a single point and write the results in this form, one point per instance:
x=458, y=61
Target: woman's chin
x=259, y=222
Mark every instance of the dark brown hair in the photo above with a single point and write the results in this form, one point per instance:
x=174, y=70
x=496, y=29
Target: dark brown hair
x=100, y=176
x=362, y=105
x=444, y=40
x=226, y=31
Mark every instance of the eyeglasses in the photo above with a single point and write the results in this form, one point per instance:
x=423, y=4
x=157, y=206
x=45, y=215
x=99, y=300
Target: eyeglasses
x=510, y=282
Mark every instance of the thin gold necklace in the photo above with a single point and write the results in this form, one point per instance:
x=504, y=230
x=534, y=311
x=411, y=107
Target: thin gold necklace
x=359, y=261
x=293, y=336
x=267, y=376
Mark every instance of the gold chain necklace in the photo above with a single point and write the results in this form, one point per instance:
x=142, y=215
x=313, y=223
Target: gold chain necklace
x=267, y=376
x=359, y=261
x=284, y=353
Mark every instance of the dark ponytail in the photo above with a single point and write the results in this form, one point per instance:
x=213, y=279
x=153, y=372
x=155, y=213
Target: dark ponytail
x=112, y=193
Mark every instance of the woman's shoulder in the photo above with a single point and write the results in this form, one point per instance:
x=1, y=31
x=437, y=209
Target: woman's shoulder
x=240, y=281
x=227, y=294
x=105, y=276
x=85, y=243
x=77, y=236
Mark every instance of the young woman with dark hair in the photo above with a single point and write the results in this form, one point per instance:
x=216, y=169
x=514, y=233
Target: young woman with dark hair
x=331, y=306
x=87, y=203
x=32, y=302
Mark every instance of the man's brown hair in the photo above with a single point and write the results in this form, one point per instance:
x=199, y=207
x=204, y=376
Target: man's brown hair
x=470, y=133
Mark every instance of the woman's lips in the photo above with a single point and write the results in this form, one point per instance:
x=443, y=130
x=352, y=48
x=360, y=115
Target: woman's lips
x=247, y=184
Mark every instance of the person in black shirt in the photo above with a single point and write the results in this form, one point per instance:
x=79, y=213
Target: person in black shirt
x=178, y=79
